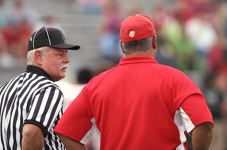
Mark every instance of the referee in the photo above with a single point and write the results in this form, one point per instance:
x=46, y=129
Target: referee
x=31, y=103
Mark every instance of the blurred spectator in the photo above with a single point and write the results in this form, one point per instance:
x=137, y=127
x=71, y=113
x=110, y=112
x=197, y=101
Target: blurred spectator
x=161, y=17
x=2, y=45
x=109, y=42
x=222, y=14
x=201, y=33
x=18, y=12
x=17, y=37
x=214, y=101
x=132, y=8
x=217, y=55
x=184, y=10
x=2, y=14
x=19, y=25
x=6, y=60
x=91, y=7
x=84, y=75
x=166, y=55
x=2, y=25
x=48, y=21
x=206, y=6
x=187, y=9
x=173, y=33
x=183, y=48
x=220, y=84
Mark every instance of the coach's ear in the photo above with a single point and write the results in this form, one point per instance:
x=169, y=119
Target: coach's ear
x=122, y=49
x=154, y=42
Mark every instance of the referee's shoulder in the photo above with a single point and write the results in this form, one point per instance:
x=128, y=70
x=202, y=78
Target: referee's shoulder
x=2, y=86
x=13, y=81
x=49, y=85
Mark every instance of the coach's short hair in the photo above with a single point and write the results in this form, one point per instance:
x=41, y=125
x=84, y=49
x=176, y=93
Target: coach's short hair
x=136, y=46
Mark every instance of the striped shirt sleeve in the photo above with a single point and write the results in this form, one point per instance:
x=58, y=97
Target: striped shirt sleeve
x=46, y=106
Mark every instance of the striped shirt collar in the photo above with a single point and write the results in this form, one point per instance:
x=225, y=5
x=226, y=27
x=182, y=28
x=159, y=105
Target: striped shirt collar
x=38, y=71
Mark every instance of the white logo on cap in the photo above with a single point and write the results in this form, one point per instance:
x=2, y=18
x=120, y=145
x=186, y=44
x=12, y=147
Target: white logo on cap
x=132, y=34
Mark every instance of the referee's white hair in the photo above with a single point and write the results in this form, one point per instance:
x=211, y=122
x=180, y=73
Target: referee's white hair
x=30, y=54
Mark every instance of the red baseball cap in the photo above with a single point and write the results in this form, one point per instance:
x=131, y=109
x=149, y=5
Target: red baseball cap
x=136, y=27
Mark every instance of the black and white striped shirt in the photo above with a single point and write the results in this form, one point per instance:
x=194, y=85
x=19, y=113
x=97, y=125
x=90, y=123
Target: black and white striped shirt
x=30, y=98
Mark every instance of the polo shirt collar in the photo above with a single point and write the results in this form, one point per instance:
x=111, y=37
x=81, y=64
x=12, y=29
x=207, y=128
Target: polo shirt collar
x=38, y=71
x=137, y=59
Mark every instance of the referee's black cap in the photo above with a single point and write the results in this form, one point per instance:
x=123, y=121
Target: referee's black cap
x=50, y=37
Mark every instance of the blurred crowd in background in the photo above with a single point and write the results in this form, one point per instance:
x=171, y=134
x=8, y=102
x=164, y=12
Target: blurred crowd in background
x=192, y=36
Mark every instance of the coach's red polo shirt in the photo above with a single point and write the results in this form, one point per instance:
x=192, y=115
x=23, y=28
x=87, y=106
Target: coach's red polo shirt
x=137, y=105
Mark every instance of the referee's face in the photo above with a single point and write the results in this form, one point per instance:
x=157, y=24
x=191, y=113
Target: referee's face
x=55, y=63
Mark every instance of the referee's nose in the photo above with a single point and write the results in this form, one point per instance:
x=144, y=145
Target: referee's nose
x=66, y=57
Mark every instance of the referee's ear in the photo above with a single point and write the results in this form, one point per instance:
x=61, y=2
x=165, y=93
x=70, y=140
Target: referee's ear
x=38, y=57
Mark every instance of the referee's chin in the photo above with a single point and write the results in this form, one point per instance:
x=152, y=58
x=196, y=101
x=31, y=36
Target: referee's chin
x=57, y=78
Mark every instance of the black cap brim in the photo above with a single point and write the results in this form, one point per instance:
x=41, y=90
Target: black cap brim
x=66, y=46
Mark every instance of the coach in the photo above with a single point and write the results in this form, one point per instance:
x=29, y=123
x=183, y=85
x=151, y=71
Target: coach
x=139, y=104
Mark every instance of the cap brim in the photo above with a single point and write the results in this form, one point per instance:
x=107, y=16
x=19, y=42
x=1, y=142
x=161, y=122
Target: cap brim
x=66, y=46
